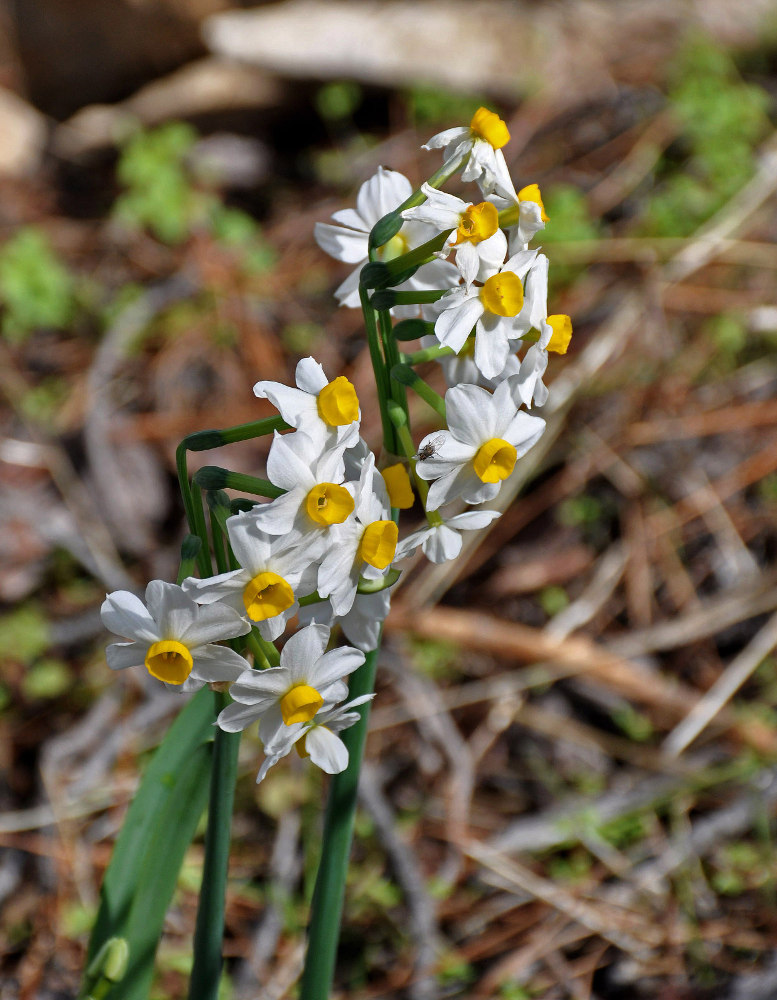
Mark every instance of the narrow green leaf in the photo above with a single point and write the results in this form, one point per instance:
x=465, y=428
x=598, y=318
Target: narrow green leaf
x=149, y=851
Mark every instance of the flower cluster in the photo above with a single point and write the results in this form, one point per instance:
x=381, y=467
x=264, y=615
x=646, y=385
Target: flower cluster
x=323, y=550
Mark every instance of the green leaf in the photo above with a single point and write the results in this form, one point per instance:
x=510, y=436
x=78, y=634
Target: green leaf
x=150, y=849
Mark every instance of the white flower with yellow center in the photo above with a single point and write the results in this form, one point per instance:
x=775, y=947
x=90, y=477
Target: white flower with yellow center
x=526, y=211
x=486, y=435
x=483, y=140
x=480, y=244
x=362, y=547
x=173, y=637
x=441, y=542
x=527, y=386
x=316, y=497
x=500, y=310
x=306, y=680
x=264, y=591
x=317, y=739
x=322, y=409
x=348, y=241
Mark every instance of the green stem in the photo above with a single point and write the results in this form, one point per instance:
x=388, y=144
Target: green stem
x=382, y=381
x=327, y=906
x=190, y=550
x=408, y=447
x=206, y=440
x=213, y=477
x=387, y=298
x=209, y=930
x=406, y=376
x=427, y=354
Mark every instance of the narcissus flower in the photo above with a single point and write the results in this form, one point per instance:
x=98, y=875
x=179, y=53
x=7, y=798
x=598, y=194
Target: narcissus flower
x=500, y=310
x=363, y=546
x=479, y=243
x=264, y=590
x=486, y=435
x=526, y=212
x=316, y=497
x=306, y=679
x=527, y=386
x=441, y=542
x=173, y=637
x=483, y=140
x=348, y=241
x=322, y=409
x=316, y=739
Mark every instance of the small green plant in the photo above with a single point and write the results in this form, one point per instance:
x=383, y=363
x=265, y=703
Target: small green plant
x=36, y=290
x=159, y=194
x=723, y=119
x=164, y=194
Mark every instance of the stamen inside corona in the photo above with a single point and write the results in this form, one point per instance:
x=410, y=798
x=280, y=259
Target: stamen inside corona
x=169, y=661
x=328, y=503
x=494, y=460
x=477, y=223
x=266, y=596
x=300, y=704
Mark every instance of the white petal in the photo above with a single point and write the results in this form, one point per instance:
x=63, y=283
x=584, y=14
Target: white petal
x=362, y=625
x=172, y=608
x=455, y=324
x=492, y=349
x=252, y=547
x=326, y=750
x=468, y=262
x=234, y=718
x=524, y=431
x=350, y=217
x=442, y=544
x=473, y=520
x=343, y=244
x=408, y=545
x=347, y=293
x=446, y=137
x=449, y=455
x=303, y=649
x=214, y=664
x=215, y=588
x=335, y=665
x=474, y=491
x=310, y=376
x=277, y=517
x=271, y=628
x=381, y=194
x=289, y=461
x=470, y=413
x=294, y=405
x=520, y=262
x=120, y=655
x=125, y=614
x=213, y=623
x=445, y=489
